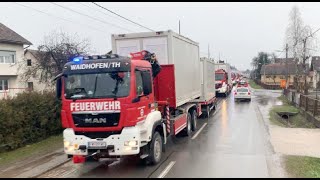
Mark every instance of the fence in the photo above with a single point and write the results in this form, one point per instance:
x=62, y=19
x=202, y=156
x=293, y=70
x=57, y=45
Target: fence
x=11, y=92
x=310, y=106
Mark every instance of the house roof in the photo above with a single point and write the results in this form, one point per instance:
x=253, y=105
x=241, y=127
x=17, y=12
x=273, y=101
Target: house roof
x=283, y=60
x=281, y=69
x=9, y=36
x=32, y=51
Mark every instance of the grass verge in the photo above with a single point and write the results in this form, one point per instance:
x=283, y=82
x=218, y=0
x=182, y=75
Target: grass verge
x=254, y=85
x=37, y=149
x=302, y=166
x=296, y=121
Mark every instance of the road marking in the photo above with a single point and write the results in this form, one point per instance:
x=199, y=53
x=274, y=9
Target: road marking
x=204, y=125
x=167, y=169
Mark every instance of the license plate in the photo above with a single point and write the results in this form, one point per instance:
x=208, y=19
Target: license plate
x=242, y=93
x=97, y=144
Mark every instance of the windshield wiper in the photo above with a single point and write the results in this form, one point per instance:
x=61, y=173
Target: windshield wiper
x=79, y=93
x=95, y=86
x=115, y=91
x=78, y=96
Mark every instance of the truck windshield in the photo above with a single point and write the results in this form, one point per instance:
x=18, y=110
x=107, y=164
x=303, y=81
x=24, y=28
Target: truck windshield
x=219, y=77
x=101, y=85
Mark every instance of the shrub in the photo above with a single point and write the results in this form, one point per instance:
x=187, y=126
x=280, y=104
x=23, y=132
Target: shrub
x=28, y=118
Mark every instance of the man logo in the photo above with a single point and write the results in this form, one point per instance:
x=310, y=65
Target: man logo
x=95, y=120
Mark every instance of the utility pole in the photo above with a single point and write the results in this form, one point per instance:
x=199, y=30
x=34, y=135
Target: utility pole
x=179, y=26
x=287, y=71
x=208, y=51
x=304, y=65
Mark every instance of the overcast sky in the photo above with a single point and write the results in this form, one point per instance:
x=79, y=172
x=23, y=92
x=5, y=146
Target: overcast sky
x=238, y=31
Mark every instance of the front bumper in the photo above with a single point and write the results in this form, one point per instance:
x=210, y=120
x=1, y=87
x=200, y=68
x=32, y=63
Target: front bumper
x=126, y=143
x=242, y=97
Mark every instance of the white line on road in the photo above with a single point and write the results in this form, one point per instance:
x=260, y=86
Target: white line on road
x=167, y=169
x=199, y=131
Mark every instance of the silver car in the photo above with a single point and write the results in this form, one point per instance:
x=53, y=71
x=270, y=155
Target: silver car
x=242, y=93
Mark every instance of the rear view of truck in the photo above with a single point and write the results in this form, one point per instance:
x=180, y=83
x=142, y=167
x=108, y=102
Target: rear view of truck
x=223, y=78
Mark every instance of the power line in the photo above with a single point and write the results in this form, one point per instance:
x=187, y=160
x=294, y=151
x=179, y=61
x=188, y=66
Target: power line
x=85, y=25
x=314, y=32
x=90, y=17
x=122, y=16
x=100, y=11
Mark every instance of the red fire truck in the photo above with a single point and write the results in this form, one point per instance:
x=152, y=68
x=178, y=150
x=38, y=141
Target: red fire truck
x=112, y=106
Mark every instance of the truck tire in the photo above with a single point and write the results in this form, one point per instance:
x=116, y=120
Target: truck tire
x=187, y=129
x=155, y=149
x=207, y=112
x=194, y=120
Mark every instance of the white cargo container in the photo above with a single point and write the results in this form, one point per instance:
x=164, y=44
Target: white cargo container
x=207, y=69
x=170, y=48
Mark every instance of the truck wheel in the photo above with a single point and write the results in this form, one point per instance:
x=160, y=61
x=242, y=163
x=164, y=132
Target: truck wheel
x=207, y=112
x=187, y=129
x=194, y=120
x=155, y=149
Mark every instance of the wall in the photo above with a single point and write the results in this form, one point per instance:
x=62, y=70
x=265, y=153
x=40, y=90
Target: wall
x=271, y=81
x=37, y=86
x=268, y=79
x=11, y=69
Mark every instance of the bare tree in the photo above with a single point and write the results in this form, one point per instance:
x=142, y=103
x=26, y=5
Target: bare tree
x=294, y=32
x=300, y=40
x=56, y=50
x=308, y=43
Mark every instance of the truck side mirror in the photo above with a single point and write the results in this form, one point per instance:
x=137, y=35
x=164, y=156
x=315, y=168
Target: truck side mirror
x=58, y=88
x=147, y=83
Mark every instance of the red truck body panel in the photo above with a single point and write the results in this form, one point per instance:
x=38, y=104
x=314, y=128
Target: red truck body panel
x=164, y=85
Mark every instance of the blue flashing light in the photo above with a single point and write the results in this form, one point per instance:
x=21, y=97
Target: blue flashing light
x=77, y=59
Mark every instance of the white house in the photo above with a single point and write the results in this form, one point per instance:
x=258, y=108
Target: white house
x=14, y=58
x=11, y=54
x=30, y=60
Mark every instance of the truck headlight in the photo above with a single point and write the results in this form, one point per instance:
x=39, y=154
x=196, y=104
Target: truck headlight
x=66, y=143
x=70, y=148
x=131, y=143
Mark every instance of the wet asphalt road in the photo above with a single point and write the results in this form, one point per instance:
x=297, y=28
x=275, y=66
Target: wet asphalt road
x=233, y=142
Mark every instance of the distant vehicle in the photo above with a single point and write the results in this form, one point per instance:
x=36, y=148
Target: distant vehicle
x=233, y=76
x=242, y=92
x=242, y=82
x=223, y=78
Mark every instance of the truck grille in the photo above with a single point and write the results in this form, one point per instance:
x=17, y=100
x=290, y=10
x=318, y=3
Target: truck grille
x=100, y=120
x=95, y=135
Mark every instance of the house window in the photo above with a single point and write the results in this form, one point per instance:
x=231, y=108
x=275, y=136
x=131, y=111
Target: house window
x=28, y=62
x=7, y=57
x=30, y=86
x=4, y=85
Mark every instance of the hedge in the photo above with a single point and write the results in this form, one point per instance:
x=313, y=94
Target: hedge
x=28, y=118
